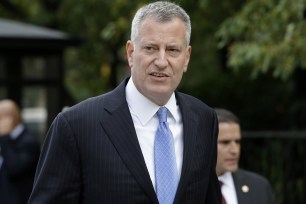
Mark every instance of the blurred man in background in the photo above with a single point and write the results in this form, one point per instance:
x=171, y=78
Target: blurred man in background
x=238, y=186
x=19, y=153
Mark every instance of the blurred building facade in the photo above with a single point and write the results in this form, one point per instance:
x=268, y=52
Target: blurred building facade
x=32, y=70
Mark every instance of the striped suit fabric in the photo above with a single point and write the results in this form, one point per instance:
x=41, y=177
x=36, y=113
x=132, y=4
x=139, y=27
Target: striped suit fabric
x=91, y=155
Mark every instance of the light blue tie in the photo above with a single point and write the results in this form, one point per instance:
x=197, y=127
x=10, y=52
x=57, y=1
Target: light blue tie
x=166, y=176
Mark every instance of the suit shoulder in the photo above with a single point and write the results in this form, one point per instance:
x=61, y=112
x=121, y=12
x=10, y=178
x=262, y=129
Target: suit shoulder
x=88, y=107
x=113, y=98
x=87, y=102
x=93, y=102
x=255, y=177
x=195, y=105
x=193, y=101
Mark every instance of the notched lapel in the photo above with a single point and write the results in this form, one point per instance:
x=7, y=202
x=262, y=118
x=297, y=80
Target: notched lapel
x=118, y=125
x=190, y=124
x=242, y=189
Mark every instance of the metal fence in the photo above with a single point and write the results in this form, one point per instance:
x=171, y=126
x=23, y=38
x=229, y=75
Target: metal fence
x=281, y=158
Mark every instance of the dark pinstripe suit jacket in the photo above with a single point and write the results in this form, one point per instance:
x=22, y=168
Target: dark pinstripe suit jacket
x=91, y=155
x=252, y=188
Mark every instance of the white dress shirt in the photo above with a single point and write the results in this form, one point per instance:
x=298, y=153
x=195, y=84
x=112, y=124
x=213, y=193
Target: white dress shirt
x=228, y=188
x=143, y=113
x=17, y=131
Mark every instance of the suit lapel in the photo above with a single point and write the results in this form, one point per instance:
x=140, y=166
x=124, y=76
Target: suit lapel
x=190, y=122
x=118, y=124
x=242, y=195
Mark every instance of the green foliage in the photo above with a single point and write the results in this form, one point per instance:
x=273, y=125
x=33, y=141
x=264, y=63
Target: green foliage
x=260, y=37
x=266, y=35
x=104, y=27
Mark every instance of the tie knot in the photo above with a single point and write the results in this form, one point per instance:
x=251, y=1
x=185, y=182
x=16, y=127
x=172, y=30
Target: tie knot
x=162, y=114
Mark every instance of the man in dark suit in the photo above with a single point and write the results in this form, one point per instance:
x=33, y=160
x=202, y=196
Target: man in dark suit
x=238, y=186
x=19, y=153
x=102, y=150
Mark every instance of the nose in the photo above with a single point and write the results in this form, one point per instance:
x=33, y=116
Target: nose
x=161, y=59
x=234, y=147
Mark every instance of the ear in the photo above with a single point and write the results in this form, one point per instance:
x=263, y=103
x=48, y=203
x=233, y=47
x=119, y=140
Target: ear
x=187, y=58
x=130, y=51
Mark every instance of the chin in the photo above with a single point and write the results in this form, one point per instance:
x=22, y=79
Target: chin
x=234, y=169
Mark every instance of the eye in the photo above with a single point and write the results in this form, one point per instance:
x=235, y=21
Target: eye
x=174, y=51
x=224, y=142
x=149, y=48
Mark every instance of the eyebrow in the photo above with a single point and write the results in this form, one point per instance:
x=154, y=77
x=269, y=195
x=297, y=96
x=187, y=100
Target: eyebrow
x=227, y=141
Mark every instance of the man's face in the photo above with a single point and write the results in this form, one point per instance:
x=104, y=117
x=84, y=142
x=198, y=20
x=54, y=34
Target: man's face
x=8, y=117
x=228, y=147
x=158, y=58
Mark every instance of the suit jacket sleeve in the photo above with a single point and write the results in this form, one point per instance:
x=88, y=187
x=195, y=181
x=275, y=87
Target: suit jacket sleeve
x=214, y=191
x=57, y=179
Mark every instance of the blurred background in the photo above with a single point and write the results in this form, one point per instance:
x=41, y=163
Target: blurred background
x=248, y=56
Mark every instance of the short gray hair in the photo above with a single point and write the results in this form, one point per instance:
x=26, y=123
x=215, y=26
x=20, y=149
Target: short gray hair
x=161, y=11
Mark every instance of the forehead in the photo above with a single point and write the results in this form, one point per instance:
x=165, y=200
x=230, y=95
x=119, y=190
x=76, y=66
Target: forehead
x=152, y=26
x=5, y=107
x=8, y=108
x=229, y=131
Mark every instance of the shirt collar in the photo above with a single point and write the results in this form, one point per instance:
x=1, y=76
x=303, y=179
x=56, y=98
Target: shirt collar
x=17, y=131
x=226, y=178
x=145, y=109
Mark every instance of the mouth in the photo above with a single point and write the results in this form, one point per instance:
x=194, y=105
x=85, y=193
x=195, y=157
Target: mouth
x=232, y=161
x=157, y=74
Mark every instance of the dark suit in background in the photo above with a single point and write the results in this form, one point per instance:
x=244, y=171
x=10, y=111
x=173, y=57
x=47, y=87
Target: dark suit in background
x=252, y=188
x=19, y=153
